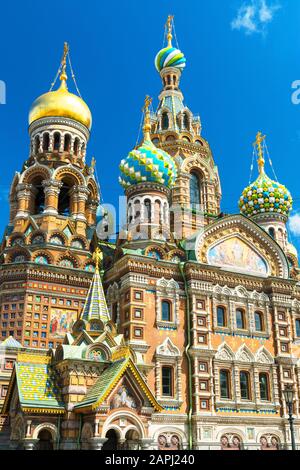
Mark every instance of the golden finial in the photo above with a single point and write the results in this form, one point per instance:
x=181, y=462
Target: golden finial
x=97, y=257
x=169, y=29
x=93, y=164
x=147, y=122
x=63, y=76
x=258, y=143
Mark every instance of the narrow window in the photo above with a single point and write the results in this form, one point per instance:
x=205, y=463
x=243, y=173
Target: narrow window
x=240, y=321
x=67, y=144
x=244, y=385
x=224, y=384
x=167, y=381
x=298, y=327
x=272, y=232
x=76, y=146
x=263, y=386
x=165, y=121
x=148, y=210
x=165, y=311
x=46, y=142
x=221, y=321
x=258, y=321
x=195, y=190
x=186, y=123
x=56, y=142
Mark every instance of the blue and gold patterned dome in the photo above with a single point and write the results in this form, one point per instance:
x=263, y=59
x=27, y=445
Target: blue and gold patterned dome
x=265, y=195
x=169, y=56
x=147, y=163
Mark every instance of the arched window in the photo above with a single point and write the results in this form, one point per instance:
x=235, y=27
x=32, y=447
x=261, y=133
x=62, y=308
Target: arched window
x=37, y=144
x=56, y=142
x=297, y=327
x=240, y=319
x=224, y=384
x=245, y=385
x=76, y=146
x=195, y=190
x=67, y=143
x=271, y=232
x=39, y=197
x=166, y=314
x=46, y=142
x=221, y=316
x=264, y=386
x=64, y=202
x=165, y=121
x=186, y=121
x=148, y=210
x=258, y=321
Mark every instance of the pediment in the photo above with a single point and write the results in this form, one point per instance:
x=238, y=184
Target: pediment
x=237, y=244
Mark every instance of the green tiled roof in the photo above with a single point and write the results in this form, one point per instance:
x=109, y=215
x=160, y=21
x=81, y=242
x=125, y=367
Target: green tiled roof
x=103, y=383
x=37, y=386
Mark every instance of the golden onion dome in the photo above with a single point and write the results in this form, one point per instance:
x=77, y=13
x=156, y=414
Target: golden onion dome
x=61, y=103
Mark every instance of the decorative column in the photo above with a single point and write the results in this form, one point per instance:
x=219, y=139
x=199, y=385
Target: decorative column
x=25, y=193
x=157, y=379
x=51, y=190
x=30, y=444
x=146, y=443
x=96, y=443
x=79, y=195
x=91, y=211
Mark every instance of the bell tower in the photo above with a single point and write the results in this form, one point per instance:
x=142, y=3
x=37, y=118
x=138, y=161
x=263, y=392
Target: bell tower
x=196, y=194
x=53, y=203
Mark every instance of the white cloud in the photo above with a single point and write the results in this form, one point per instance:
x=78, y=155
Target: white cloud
x=253, y=17
x=294, y=224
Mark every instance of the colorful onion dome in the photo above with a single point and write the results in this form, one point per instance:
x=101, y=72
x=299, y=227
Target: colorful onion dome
x=169, y=57
x=61, y=103
x=265, y=195
x=147, y=164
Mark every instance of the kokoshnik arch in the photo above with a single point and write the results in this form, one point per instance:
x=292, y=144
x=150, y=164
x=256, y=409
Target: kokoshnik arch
x=164, y=339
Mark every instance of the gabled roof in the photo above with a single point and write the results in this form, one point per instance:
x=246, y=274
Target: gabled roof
x=11, y=342
x=95, y=307
x=108, y=380
x=37, y=386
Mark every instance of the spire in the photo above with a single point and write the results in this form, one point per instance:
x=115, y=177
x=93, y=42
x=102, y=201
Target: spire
x=147, y=122
x=169, y=29
x=95, y=307
x=258, y=144
x=63, y=76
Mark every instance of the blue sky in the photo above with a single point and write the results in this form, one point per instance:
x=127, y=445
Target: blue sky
x=242, y=58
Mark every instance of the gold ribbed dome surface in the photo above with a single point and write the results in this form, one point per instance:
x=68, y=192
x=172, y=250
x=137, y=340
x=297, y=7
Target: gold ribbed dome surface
x=61, y=103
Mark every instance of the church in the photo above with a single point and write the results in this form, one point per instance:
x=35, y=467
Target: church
x=181, y=334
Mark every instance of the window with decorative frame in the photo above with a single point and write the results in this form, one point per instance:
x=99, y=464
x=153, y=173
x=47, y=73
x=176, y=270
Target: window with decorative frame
x=167, y=303
x=245, y=386
x=264, y=387
x=225, y=389
x=168, y=371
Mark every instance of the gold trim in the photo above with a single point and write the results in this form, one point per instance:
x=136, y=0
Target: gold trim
x=33, y=358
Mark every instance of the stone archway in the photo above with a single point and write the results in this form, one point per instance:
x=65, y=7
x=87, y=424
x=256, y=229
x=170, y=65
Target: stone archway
x=132, y=440
x=45, y=440
x=113, y=440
